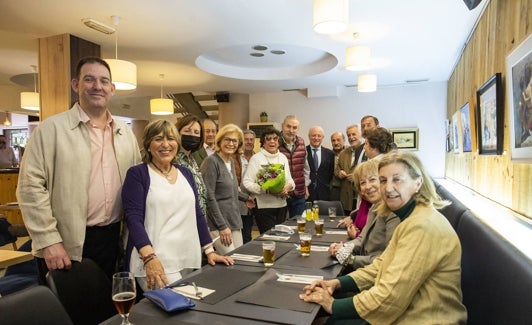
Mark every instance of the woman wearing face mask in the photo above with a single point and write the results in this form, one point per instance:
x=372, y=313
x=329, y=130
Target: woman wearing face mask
x=416, y=280
x=378, y=230
x=191, y=131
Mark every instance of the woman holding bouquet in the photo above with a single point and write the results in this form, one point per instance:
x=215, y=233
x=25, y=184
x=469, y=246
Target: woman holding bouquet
x=223, y=209
x=268, y=177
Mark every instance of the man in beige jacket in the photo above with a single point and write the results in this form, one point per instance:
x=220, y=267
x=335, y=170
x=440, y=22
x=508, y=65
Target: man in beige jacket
x=71, y=176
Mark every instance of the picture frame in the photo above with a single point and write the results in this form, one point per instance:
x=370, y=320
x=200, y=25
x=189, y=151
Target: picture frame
x=519, y=90
x=490, y=116
x=447, y=126
x=406, y=138
x=467, y=127
x=455, y=132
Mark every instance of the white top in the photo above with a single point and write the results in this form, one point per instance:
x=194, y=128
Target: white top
x=249, y=181
x=171, y=225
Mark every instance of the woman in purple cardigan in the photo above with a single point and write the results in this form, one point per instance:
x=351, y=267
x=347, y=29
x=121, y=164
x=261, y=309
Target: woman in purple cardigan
x=161, y=208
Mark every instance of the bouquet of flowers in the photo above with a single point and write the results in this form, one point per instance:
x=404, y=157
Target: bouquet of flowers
x=271, y=177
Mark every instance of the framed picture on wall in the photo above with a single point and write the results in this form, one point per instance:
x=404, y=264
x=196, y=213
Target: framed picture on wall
x=406, y=138
x=466, y=127
x=447, y=125
x=490, y=116
x=455, y=132
x=519, y=90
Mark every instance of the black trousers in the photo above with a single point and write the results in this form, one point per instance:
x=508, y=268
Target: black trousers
x=101, y=245
x=267, y=218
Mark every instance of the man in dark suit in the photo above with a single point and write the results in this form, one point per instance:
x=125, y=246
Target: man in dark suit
x=321, y=162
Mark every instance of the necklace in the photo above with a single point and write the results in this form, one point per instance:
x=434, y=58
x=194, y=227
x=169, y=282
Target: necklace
x=166, y=174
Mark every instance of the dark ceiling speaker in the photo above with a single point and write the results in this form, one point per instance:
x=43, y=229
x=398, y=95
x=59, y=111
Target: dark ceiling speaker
x=472, y=4
x=222, y=97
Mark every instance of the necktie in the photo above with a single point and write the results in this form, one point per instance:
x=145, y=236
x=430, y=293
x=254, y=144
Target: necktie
x=315, y=158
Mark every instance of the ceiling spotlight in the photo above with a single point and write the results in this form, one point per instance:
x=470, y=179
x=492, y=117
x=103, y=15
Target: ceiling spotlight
x=99, y=26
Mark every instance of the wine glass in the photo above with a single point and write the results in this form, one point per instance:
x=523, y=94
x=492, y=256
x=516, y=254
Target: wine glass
x=124, y=293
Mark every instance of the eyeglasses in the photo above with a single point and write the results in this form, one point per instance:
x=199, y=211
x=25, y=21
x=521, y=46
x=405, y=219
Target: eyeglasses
x=272, y=137
x=229, y=140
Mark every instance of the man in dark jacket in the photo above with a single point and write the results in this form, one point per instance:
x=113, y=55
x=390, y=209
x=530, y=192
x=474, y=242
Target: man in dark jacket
x=321, y=163
x=293, y=147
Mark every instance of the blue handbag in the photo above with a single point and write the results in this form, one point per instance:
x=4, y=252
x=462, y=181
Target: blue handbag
x=169, y=300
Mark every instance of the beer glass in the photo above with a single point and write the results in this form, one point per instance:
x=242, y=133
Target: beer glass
x=305, y=240
x=332, y=214
x=301, y=222
x=124, y=293
x=318, y=226
x=268, y=253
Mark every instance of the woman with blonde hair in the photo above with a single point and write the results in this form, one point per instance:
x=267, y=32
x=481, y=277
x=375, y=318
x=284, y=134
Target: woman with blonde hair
x=378, y=230
x=416, y=280
x=219, y=176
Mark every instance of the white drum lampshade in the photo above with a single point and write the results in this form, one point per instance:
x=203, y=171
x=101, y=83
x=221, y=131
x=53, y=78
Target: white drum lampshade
x=123, y=73
x=162, y=106
x=367, y=83
x=330, y=16
x=357, y=58
x=30, y=100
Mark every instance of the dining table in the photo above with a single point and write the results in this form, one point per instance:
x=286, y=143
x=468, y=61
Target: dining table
x=248, y=292
x=10, y=257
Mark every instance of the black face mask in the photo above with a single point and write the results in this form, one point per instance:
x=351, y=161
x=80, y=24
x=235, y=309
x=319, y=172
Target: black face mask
x=190, y=142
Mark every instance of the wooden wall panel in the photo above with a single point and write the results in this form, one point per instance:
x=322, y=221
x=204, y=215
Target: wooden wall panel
x=54, y=73
x=58, y=57
x=502, y=27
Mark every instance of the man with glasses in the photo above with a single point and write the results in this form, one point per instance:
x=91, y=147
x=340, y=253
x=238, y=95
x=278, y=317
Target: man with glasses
x=209, y=134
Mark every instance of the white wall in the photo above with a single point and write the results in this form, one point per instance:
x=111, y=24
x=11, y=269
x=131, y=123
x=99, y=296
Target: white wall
x=422, y=106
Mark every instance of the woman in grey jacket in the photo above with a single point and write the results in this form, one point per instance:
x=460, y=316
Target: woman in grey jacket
x=223, y=210
x=378, y=230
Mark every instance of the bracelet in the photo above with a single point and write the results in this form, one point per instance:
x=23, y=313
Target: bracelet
x=209, y=250
x=148, y=257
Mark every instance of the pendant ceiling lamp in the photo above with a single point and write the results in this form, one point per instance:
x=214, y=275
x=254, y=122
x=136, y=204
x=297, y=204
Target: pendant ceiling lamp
x=124, y=73
x=162, y=106
x=367, y=83
x=330, y=16
x=357, y=58
x=31, y=100
x=7, y=122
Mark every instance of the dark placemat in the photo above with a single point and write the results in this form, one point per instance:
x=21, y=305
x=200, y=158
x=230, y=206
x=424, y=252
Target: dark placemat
x=222, y=279
x=315, y=260
x=255, y=248
x=271, y=293
x=330, y=238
